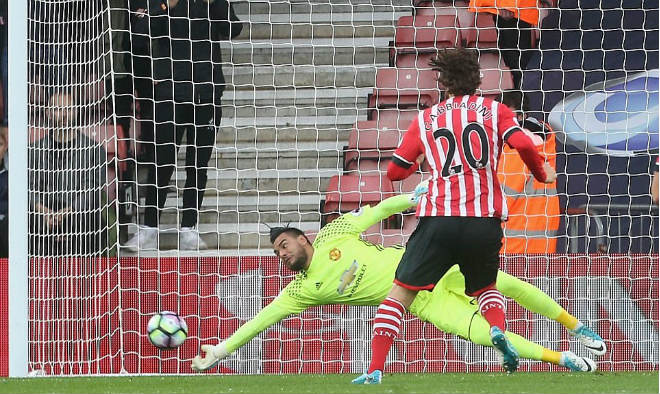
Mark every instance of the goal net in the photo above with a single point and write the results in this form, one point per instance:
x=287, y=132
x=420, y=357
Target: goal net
x=166, y=136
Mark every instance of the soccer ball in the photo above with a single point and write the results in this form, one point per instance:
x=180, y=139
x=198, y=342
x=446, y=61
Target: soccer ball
x=167, y=330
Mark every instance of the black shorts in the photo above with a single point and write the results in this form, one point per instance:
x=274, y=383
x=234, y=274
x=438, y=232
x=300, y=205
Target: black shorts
x=439, y=242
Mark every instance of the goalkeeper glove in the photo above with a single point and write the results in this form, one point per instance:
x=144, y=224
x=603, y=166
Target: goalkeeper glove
x=421, y=189
x=213, y=354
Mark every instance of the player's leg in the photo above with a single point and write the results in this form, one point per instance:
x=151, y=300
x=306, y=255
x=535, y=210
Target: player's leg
x=479, y=333
x=387, y=324
x=418, y=270
x=535, y=300
x=478, y=249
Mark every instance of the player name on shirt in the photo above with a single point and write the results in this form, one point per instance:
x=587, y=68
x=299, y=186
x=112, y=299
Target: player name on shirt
x=483, y=110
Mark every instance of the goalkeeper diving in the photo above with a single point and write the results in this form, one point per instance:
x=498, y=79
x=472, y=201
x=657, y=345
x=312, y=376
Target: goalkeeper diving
x=341, y=268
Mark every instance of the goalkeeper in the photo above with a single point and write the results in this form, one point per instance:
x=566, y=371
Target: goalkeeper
x=341, y=268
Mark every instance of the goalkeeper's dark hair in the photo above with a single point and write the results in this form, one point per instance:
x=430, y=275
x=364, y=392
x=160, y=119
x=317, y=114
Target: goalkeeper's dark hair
x=277, y=231
x=458, y=70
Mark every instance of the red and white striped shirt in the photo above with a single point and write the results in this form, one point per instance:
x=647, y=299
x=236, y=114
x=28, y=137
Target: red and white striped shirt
x=461, y=139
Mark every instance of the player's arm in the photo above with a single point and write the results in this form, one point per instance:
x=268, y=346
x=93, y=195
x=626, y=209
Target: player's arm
x=512, y=134
x=367, y=216
x=408, y=156
x=281, y=307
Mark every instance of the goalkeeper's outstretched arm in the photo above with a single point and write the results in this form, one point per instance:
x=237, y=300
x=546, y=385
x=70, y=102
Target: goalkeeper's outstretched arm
x=273, y=313
x=368, y=216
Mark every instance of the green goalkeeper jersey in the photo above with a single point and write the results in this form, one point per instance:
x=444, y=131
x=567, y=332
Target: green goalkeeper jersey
x=345, y=269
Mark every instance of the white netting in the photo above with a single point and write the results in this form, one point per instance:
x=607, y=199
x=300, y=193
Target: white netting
x=316, y=97
x=71, y=185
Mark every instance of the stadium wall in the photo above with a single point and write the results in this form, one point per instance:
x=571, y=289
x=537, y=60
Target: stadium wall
x=617, y=295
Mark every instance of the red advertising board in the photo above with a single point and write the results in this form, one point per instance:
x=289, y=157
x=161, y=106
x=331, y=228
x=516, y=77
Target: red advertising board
x=90, y=316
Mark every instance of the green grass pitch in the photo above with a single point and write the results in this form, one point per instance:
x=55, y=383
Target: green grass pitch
x=599, y=382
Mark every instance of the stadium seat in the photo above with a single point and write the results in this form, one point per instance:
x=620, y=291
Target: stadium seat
x=417, y=39
x=370, y=148
x=495, y=75
x=348, y=192
x=481, y=34
x=404, y=89
x=393, y=118
x=409, y=222
x=425, y=7
x=408, y=185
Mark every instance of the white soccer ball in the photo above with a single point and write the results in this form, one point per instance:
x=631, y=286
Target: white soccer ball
x=167, y=330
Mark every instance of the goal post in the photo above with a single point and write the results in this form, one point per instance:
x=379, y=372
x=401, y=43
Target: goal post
x=18, y=182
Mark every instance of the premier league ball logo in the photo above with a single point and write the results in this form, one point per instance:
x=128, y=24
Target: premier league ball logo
x=617, y=117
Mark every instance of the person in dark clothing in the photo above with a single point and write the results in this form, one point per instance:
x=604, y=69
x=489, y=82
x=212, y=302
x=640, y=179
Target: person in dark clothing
x=4, y=192
x=143, y=83
x=188, y=79
x=132, y=84
x=67, y=176
x=516, y=21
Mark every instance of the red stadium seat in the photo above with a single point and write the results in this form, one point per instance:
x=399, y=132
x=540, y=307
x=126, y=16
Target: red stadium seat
x=408, y=185
x=369, y=147
x=495, y=75
x=481, y=34
x=394, y=119
x=404, y=89
x=348, y=192
x=423, y=35
x=409, y=222
x=419, y=61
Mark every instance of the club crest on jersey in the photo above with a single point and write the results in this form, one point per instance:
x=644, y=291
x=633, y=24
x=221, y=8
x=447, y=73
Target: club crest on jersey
x=335, y=254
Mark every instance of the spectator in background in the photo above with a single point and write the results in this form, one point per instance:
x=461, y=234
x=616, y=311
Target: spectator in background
x=4, y=192
x=655, y=184
x=67, y=176
x=140, y=65
x=3, y=58
x=121, y=83
x=515, y=21
x=533, y=206
x=189, y=84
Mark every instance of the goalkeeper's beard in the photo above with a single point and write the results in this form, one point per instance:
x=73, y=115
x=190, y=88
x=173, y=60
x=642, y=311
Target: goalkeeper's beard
x=299, y=263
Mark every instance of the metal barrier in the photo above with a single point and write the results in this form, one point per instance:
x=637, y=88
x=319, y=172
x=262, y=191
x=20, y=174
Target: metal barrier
x=612, y=228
